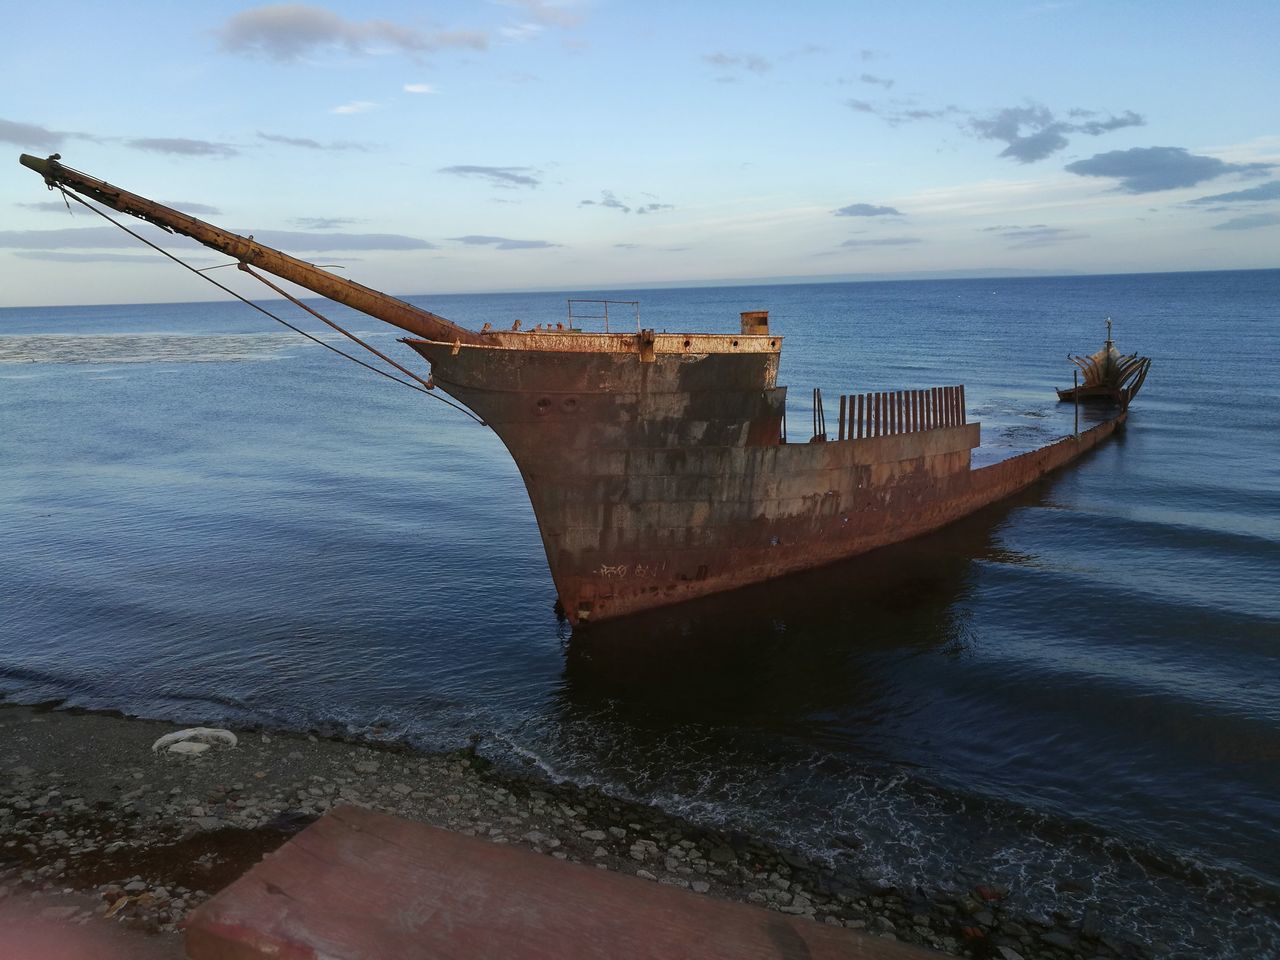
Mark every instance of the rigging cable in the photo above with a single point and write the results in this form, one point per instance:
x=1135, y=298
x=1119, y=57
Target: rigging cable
x=425, y=387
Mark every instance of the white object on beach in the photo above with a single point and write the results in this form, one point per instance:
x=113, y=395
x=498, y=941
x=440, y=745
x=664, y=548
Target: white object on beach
x=188, y=746
x=194, y=740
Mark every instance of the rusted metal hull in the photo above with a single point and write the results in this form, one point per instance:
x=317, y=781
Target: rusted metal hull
x=658, y=481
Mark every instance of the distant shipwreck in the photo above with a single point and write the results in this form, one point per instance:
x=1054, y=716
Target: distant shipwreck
x=657, y=463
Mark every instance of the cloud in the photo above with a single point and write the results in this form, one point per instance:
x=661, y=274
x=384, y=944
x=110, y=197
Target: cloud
x=1029, y=132
x=1263, y=191
x=200, y=209
x=355, y=106
x=289, y=32
x=1250, y=222
x=1096, y=127
x=878, y=81
x=99, y=257
x=181, y=146
x=902, y=111
x=866, y=210
x=503, y=243
x=323, y=223
x=419, y=88
x=45, y=206
x=538, y=15
x=748, y=61
x=308, y=144
x=95, y=238
x=883, y=242
x=498, y=176
x=609, y=200
x=297, y=240
x=548, y=13
x=1149, y=169
x=73, y=238
x=35, y=137
x=1032, y=132
x=1035, y=235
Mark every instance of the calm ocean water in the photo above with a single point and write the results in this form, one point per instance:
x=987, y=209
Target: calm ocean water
x=1076, y=693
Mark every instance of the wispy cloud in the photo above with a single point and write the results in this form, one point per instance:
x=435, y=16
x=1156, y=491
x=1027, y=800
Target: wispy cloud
x=503, y=243
x=419, y=88
x=1150, y=169
x=866, y=210
x=1251, y=221
x=898, y=112
x=59, y=257
x=35, y=137
x=883, y=242
x=1035, y=235
x=732, y=65
x=1263, y=191
x=536, y=16
x=498, y=176
x=289, y=32
x=877, y=81
x=323, y=223
x=549, y=13
x=181, y=146
x=355, y=106
x=199, y=209
x=108, y=238
x=323, y=241
x=1032, y=132
x=609, y=200
x=72, y=238
x=307, y=143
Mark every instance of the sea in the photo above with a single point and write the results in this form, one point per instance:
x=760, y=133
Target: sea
x=1075, y=694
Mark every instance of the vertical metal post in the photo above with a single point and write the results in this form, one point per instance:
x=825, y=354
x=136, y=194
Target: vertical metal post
x=843, y=401
x=964, y=414
x=1075, y=376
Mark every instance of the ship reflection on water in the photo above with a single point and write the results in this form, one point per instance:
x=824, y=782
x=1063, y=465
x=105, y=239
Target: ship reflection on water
x=802, y=646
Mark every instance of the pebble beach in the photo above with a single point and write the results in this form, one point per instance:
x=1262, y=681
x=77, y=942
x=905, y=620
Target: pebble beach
x=135, y=838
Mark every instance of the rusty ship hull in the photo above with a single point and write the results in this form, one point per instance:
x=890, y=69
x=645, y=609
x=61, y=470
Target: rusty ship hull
x=657, y=472
x=657, y=464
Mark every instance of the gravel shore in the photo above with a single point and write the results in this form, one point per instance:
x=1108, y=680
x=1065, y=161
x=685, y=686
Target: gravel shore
x=86, y=806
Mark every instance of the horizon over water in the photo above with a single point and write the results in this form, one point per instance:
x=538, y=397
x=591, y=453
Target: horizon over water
x=1075, y=693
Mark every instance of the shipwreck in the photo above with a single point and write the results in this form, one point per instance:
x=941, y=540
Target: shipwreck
x=658, y=464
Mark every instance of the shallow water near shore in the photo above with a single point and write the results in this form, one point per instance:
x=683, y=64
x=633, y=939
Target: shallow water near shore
x=1075, y=693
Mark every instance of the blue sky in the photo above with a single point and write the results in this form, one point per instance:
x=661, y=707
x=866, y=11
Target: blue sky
x=477, y=146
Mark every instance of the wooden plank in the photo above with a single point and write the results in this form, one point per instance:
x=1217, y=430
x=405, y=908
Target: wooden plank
x=362, y=885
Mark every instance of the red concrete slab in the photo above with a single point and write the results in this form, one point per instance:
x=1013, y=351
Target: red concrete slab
x=359, y=885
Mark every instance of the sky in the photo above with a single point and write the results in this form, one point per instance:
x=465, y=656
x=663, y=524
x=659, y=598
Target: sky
x=498, y=145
